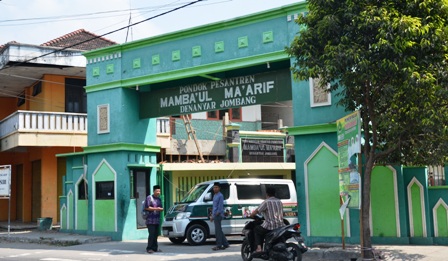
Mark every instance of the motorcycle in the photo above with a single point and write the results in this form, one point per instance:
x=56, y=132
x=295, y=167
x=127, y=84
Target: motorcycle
x=277, y=245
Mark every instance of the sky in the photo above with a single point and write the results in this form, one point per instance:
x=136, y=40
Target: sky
x=39, y=21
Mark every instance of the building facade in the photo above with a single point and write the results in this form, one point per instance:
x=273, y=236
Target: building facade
x=235, y=67
x=43, y=112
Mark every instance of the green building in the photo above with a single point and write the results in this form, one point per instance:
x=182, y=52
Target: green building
x=236, y=67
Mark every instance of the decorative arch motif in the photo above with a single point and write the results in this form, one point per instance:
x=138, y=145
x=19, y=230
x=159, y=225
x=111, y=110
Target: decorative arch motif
x=63, y=215
x=323, y=162
x=416, y=206
x=80, y=221
x=69, y=207
x=396, y=208
x=96, y=176
x=440, y=219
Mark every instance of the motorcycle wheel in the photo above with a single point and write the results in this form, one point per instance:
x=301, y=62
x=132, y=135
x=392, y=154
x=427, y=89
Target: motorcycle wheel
x=246, y=253
x=295, y=250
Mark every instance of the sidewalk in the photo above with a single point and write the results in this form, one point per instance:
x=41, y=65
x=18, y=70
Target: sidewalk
x=325, y=251
x=28, y=233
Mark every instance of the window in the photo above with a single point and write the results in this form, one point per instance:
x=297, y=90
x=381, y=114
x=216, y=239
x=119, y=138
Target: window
x=105, y=190
x=194, y=194
x=225, y=190
x=436, y=176
x=281, y=191
x=83, y=190
x=234, y=114
x=258, y=191
x=249, y=191
x=21, y=99
x=75, y=95
x=37, y=88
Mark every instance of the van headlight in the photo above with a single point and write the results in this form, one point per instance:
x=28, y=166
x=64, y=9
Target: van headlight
x=183, y=215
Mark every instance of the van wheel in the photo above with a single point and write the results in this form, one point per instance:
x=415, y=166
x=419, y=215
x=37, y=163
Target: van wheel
x=177, y=240
x=196, y=235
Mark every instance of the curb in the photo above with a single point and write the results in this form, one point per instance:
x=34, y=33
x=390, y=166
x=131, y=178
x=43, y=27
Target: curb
x=333, y=253
x=56, y=239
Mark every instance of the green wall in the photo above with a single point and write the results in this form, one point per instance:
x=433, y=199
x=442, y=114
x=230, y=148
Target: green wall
x=82, y=214
x=323, y=194
x=105, y=211
x=384, y=202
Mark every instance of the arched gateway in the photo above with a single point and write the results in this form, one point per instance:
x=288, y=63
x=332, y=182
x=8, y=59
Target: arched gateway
x=235, y=66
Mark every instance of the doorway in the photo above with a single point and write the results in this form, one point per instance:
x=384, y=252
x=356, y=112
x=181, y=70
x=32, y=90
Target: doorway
x=36, y=190
x=141, y=191
x=19, y=192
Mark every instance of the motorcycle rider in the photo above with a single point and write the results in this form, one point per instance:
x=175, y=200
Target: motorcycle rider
x=272, y=211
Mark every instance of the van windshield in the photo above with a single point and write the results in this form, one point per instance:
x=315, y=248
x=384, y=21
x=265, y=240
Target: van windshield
x=194, y=194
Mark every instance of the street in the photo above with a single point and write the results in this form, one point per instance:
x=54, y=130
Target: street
x=125, y=250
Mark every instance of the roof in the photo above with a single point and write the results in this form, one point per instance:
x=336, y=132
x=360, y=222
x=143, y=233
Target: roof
x=3, y=46
x=81, y=40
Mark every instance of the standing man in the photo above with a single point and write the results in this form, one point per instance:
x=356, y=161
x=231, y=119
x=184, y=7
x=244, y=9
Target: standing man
x=272, y=211
x=217, y=216
x=154, y=204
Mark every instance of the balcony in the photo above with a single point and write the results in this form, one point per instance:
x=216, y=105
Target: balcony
x=38, y=128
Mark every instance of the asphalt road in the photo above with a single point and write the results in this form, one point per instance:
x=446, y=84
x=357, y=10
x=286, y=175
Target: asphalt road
x=125, y=250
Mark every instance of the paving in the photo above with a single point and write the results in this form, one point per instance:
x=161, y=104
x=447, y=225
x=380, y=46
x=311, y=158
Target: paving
x=29, y=233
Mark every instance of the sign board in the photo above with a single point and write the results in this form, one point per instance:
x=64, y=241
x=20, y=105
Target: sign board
x=221, y=94
x=349, y=146
x=262, y=150
x=5, y=180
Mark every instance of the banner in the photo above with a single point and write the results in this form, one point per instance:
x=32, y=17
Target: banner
x=5, y=180
x=349, y=146
x=221, y=94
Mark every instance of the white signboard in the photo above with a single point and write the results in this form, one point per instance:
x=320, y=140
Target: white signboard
x=5, y=180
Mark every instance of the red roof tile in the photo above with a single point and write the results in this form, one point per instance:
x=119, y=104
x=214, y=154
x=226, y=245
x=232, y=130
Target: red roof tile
x=81, y=40
x=4, y=45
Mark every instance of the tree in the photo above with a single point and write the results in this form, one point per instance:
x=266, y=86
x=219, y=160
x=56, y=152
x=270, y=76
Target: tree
x=389, y=60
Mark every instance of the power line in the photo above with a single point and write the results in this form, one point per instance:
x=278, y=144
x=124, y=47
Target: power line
x=99, y=36
x=81, y=16
x=64, y=48
x=88, y=16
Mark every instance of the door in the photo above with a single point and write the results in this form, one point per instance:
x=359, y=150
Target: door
x=141, y=188
x=19, y=190
x=36, y=190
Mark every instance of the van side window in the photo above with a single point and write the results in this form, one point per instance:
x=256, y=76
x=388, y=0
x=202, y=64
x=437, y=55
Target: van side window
x=225, y=190
x=248, y=191
x=281, y=191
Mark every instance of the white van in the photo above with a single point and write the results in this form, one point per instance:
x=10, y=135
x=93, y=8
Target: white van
x=190, y=218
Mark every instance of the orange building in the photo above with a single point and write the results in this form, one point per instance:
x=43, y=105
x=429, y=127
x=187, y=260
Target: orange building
x=42, y=113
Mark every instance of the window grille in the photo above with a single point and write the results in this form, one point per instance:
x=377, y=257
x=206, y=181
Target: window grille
x=436, y=176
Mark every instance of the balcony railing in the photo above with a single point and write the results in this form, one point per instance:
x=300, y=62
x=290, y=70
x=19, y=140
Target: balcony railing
x=61, y=122
x=40, y=121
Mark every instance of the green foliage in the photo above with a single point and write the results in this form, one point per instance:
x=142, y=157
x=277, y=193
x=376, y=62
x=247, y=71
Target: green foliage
x=389, y=59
